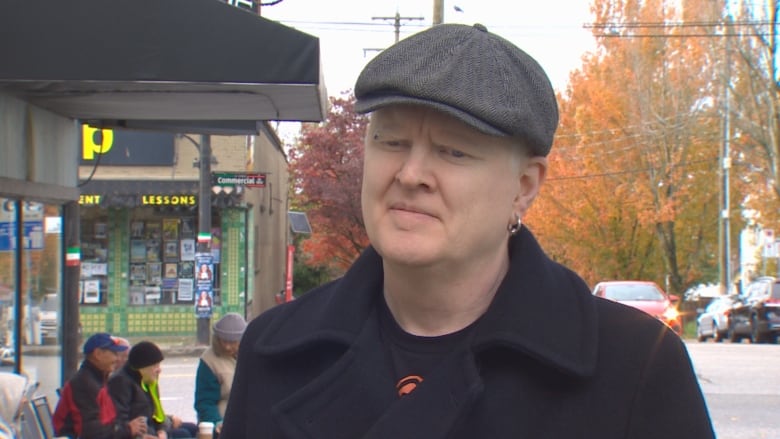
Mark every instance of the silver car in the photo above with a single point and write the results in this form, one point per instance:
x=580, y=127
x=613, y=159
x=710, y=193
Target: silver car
x=713, y=321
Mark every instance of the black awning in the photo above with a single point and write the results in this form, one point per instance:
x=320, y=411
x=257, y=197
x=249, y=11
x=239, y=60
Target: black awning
x=179, y=195
x=202, y=64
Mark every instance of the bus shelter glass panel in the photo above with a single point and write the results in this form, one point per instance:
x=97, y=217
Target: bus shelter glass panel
x=33, y=295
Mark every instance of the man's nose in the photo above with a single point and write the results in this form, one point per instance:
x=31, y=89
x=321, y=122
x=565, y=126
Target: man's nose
x=416, y=167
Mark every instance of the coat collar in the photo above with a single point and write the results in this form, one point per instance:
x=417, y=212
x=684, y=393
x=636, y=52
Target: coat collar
x=541, y=309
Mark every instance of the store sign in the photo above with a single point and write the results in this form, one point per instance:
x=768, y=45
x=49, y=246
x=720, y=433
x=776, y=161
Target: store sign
x=90, y=199
x=126, y=147
x=145, y=200
x=169, y=200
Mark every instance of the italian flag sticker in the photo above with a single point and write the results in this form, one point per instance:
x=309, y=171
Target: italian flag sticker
x=73, y=257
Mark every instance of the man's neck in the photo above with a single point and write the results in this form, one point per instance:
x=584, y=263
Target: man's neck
x=432, y=302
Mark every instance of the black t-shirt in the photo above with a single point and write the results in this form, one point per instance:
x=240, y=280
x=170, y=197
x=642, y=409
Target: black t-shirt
x=415, y=356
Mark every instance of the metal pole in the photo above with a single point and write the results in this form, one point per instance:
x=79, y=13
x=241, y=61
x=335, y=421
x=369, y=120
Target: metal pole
x=204, y=220
x=70, y=290
x=18, y=306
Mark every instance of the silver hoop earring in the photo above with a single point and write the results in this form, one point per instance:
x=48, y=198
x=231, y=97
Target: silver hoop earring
x=513, y=228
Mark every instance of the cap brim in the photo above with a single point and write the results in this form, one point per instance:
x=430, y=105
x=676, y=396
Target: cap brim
x=116, y=348
x=369, y=104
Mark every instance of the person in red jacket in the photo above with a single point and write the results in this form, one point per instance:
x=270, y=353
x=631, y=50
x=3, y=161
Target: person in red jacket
x=85, y=409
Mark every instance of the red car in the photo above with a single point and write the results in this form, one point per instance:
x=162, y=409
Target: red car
x=644, y=295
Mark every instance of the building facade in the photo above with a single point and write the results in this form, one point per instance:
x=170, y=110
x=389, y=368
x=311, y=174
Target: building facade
x=140, y=199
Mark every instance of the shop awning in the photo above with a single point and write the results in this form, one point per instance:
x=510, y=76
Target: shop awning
x=179, y=195
x=200, y=66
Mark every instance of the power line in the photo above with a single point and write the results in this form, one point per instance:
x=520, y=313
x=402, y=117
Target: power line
x=630, y=171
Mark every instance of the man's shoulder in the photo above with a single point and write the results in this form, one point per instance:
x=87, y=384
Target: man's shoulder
x=303, y=308
x=309, y=316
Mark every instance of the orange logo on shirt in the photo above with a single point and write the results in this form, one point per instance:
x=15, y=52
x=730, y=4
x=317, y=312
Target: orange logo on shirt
x=407, y=384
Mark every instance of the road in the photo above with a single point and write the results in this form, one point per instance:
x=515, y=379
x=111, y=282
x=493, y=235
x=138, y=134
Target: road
x=741, y=384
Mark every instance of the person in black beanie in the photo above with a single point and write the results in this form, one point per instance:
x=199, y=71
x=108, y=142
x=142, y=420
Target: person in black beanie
x=135, y=391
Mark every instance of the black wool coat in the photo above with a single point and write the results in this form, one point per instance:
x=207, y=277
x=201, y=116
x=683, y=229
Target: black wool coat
x=548, y=360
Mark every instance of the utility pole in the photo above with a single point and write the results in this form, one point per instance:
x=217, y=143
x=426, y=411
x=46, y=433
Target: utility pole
x=204, y=224
x=438, y=12
x=725, y=229
x=397, y=23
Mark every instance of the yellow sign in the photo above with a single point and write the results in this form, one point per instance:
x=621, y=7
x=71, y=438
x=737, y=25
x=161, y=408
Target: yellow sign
x=95, y=141
x=90, y=199
x=169, y=200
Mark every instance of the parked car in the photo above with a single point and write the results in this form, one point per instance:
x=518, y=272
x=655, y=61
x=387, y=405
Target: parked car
x=49, y=318
x=646, y=296
x=757, y=315
x=713, y=321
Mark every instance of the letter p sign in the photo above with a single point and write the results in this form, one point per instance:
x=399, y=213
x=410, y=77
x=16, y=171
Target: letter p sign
x=95, y=141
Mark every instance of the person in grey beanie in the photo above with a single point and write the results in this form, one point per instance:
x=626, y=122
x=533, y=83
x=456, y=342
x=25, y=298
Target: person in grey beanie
x=217, y=365
x=454, y=323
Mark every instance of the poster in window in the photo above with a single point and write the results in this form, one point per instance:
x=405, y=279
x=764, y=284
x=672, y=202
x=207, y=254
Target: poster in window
x=188, y=227
x=137, y=229
x=136, y=295
x=137, y=250
x=170, y=228
x=187, y=249
x=137, y=271
x=152, y=295
x=92, y=291
x=152, y=250
x=154, y=273
x=171, y=270
x=185, y=290
x=101, y=230
x=187, y=269
x=152, y=230
x=171, y=250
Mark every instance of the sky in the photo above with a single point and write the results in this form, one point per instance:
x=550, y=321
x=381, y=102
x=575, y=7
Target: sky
x=551, y=31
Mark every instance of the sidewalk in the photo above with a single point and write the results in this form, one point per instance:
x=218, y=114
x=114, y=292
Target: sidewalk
x=170, y=346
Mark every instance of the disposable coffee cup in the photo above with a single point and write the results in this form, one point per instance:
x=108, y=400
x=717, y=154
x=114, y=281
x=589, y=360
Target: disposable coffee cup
x=205, y=430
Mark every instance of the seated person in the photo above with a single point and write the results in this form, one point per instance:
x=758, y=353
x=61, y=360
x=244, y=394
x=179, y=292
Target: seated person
x=85, y=408
x=216, y=368
x=135, y=391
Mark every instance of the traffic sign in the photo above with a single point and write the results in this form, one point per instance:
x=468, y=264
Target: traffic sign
x=238, y=179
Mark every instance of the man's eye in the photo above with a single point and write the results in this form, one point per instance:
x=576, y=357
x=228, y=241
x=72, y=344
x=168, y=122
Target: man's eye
x=455, y=153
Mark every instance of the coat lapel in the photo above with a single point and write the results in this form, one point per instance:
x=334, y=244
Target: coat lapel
x=346, y=398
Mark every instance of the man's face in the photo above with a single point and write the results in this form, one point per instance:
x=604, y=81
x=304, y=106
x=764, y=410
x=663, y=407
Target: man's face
x=106, y=360
x=438, y=192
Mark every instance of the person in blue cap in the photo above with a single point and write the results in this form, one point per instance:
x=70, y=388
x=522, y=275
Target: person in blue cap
x=454, y=323
x=85, y=408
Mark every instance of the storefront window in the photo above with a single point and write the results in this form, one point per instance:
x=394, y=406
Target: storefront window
x=152, y=251
x=94, y=260
x=38, y=287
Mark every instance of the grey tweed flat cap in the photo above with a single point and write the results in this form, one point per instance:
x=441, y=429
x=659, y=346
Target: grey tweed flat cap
x=469, y=73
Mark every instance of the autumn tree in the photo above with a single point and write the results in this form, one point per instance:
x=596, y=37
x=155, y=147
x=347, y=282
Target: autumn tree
x=326, y=172
x=753, y=49
x=632, y=191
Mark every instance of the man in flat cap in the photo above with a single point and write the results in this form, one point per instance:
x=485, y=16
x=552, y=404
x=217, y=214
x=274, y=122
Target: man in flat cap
x=454, y=323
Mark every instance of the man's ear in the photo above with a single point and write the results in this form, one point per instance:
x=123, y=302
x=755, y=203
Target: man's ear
x=532, y=177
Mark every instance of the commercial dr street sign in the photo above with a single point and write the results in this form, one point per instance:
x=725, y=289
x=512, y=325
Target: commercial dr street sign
x=238, y=179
